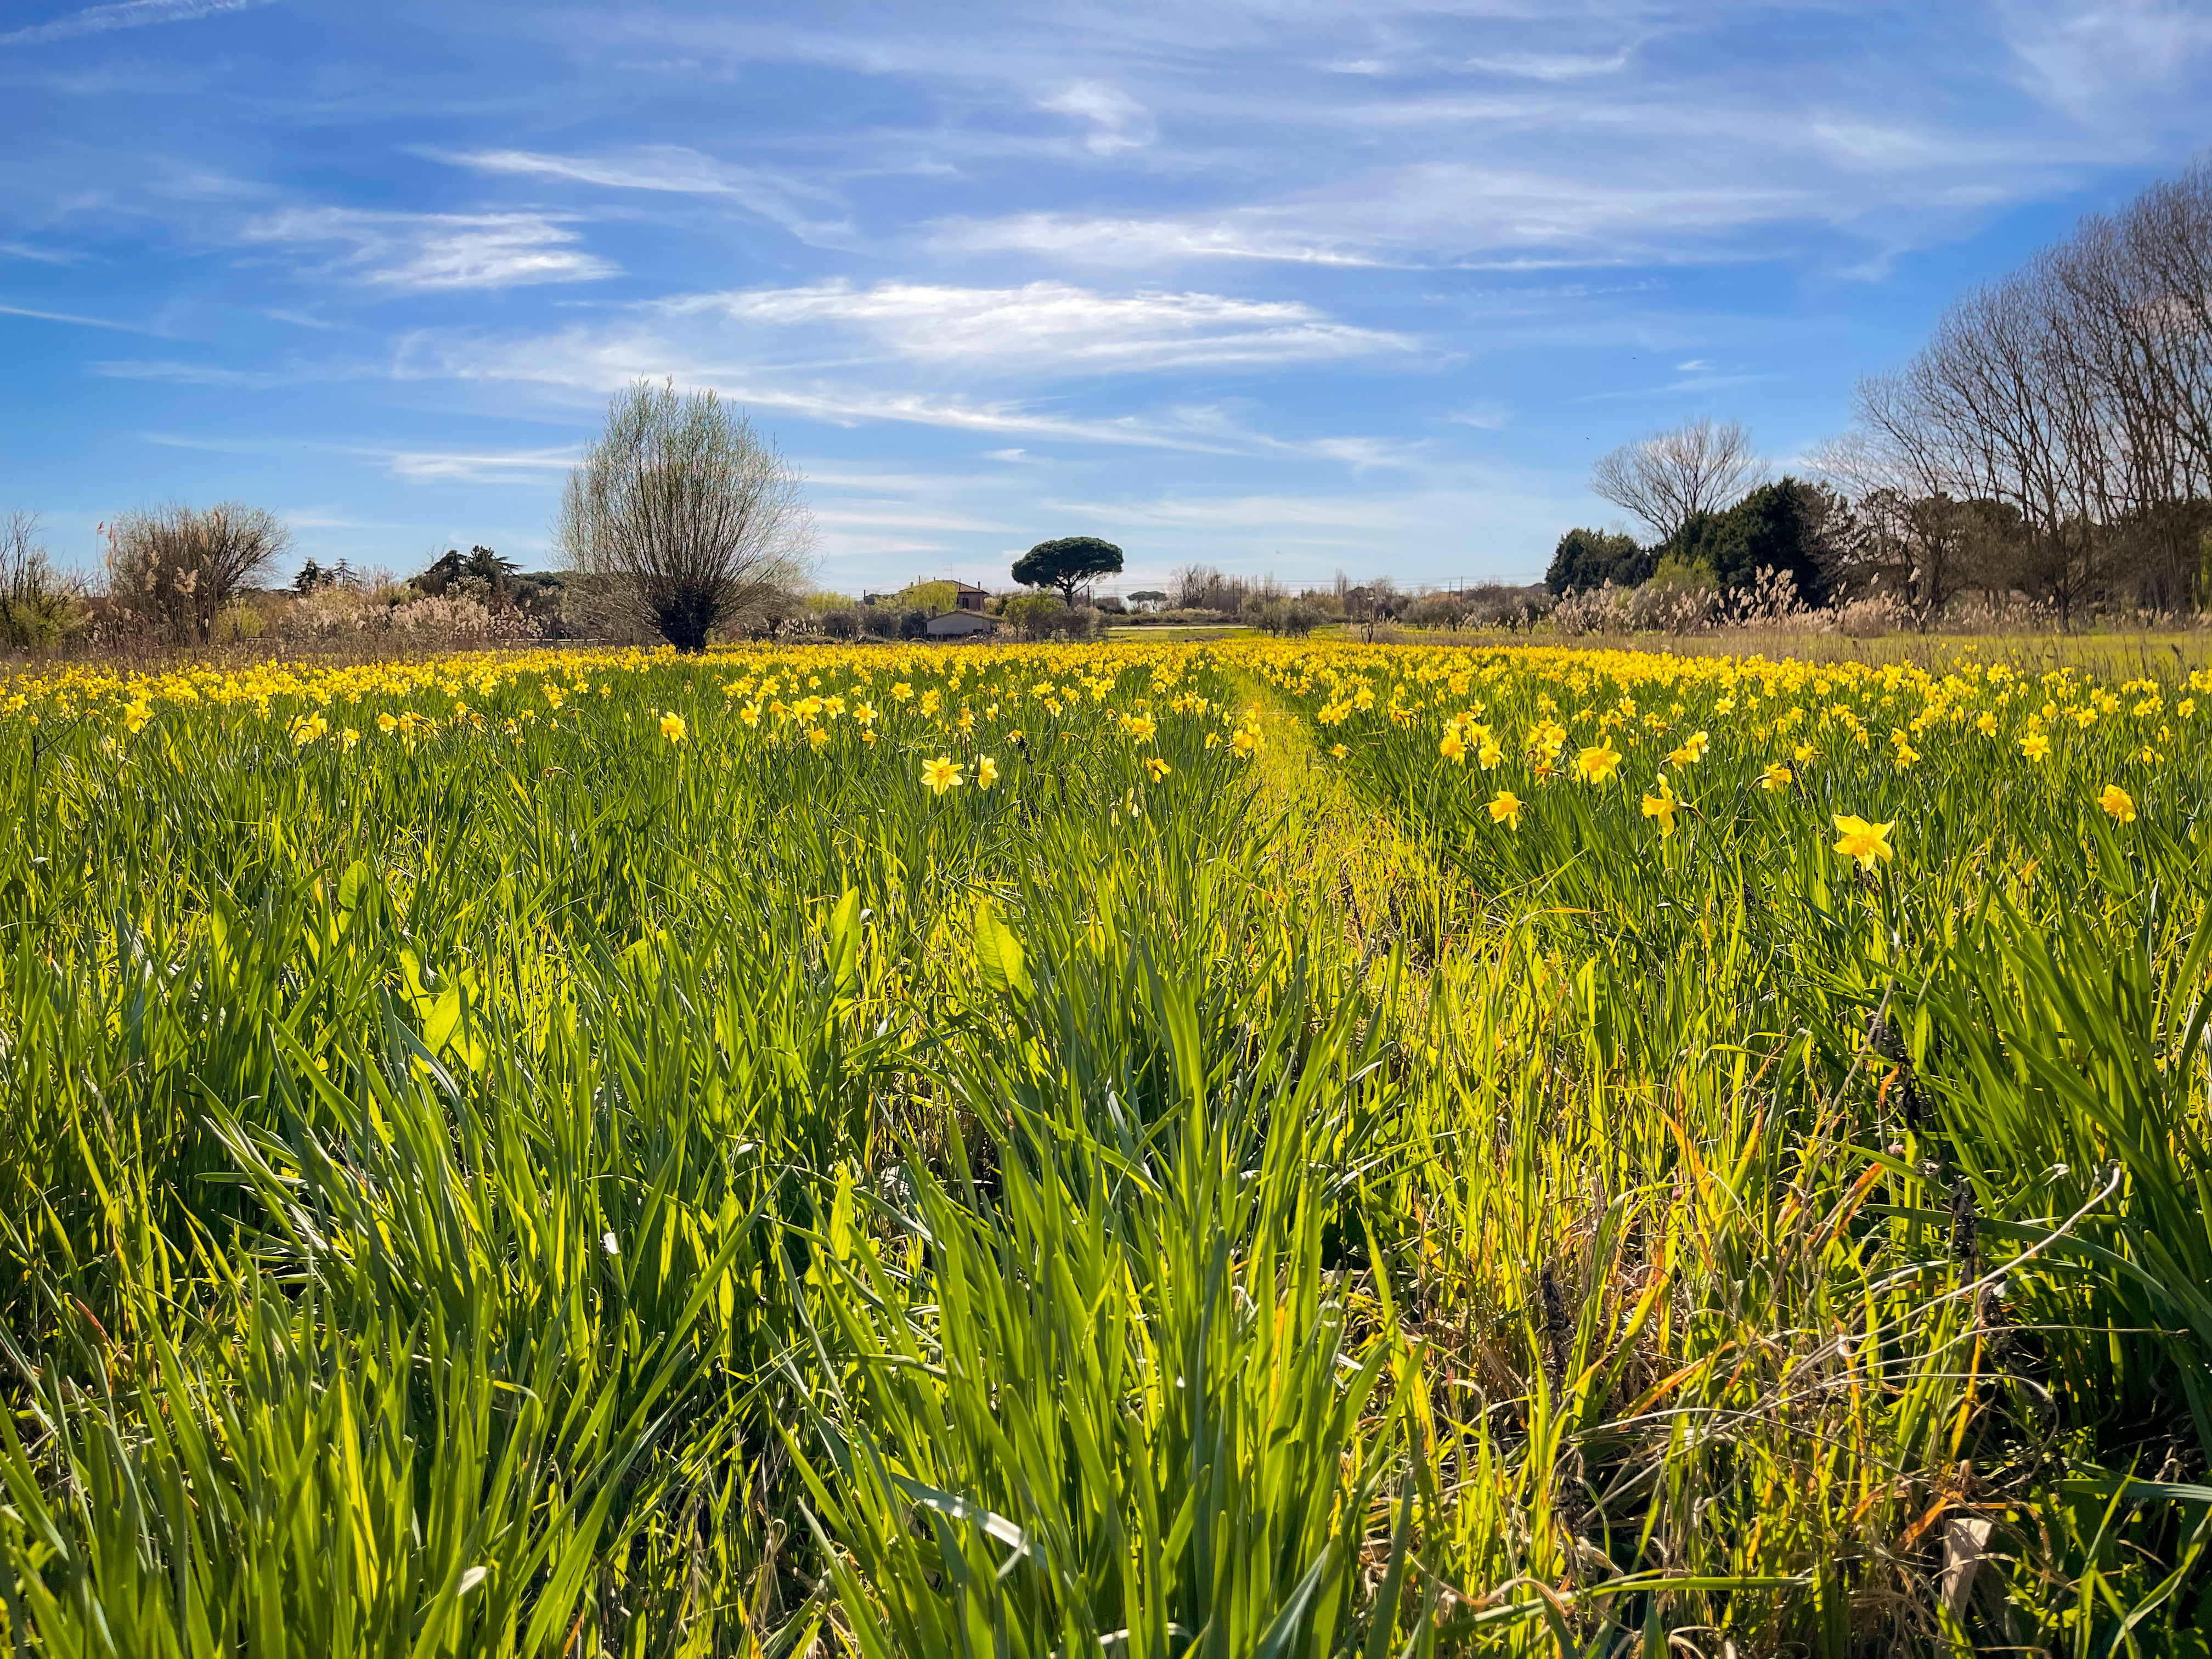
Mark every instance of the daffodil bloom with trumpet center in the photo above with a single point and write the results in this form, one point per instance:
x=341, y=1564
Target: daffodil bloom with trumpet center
x=940, y=774
x=1866, y=843
x=2118, y=804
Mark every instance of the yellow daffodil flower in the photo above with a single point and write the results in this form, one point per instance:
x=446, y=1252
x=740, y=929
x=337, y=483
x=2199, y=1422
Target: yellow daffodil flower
x=1866, y=843
x=1597, y=763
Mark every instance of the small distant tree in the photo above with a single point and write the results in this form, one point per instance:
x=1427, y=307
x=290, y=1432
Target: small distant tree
x=1034, y=615
x=1294, y=617
x=1443, y=609
x=682, y=515
x=1066, y=564
x=175, y=569
x=1372, y=604
x=1151, y=597
x=1196, y=587
x=932, y=598
x=482, y=565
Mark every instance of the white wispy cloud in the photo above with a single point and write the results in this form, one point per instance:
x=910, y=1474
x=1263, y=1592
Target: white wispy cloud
x=44, y=255
x=589, y=359
x=532, y=467
x=1042, y=328
x=1430, y=215
x=907, y=354
x=2082, y=56
x=426, y=251
x=412, y=466
x=81, y=322
x=894, y=516
x=125, y=15
x=779, y=198
x=1118, y=122
x=175, y=373
x=1145, y=242
x=1550, y=66
x=1487, y=416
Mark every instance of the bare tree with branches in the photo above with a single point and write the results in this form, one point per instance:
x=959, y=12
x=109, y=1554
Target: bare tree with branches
x=682, y=516
x=2057, y=429
x=1670, y=477
x=38, y=603
x=174, y=569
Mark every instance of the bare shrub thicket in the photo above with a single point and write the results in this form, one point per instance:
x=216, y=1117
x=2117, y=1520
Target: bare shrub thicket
x=173, y=570
x=2054, y=438
x=1769, y=603
x=1487, y=605
x=39, y=605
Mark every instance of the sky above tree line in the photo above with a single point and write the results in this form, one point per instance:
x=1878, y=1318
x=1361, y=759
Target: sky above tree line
x=1287, y=286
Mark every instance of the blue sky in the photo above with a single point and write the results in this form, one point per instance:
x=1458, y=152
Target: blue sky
x=1297, y=287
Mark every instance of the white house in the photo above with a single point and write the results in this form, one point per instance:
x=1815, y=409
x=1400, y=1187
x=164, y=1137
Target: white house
x=959, y=625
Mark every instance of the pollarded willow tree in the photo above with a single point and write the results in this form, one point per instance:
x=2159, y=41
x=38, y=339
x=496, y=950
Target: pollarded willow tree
x=682, y=516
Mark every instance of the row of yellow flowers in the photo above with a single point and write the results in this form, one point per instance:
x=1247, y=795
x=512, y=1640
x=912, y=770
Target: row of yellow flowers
x=1491, y=705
